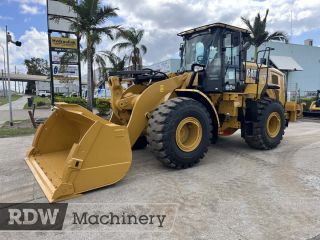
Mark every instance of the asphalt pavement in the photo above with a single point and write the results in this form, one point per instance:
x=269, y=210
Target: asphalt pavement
x=234, y=193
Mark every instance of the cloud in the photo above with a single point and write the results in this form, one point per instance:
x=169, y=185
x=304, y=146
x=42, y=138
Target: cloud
x=34, y=44
x=5, y=18
x=33, y=10
x=163, y=19
x=40, y=2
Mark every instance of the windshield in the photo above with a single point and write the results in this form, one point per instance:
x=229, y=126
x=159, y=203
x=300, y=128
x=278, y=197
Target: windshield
x=201, y=48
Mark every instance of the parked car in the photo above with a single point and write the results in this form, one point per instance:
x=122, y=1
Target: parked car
x=44, y=93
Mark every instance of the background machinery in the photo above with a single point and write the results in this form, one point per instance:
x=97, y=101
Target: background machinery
x=314, y=109
x=179, y=115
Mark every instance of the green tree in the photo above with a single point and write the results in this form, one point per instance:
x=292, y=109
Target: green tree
x=117, y=63
x=132, y=41
x=35, y=66
x=91, y=15
x=259, y=34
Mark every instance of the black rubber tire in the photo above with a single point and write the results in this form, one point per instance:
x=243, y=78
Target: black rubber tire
x=260, y=138
x=161, y=132
x=141, y=143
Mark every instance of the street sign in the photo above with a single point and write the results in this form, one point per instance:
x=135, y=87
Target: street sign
x=66, y=71
x=64, y=43
x=72, y=58
x=56, y=8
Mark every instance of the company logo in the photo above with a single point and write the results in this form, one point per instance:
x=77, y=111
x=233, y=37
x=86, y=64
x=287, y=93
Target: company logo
x=251, y=73
x=32, y=216
x=65, y=43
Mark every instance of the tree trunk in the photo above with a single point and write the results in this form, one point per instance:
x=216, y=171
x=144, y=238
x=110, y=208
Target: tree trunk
x=255, y=53
x=134, y=62
x=136, y=57
x=89, y=72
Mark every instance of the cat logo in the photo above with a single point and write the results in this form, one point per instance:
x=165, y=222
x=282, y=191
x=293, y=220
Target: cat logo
x=252, y=73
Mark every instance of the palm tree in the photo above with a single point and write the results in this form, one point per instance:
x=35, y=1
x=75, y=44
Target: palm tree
x=117, y=63
x=132, y=41
x=90, y=16
x=259, y=34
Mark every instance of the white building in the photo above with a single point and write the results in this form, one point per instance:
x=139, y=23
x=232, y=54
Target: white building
x=170, y=65
x=301, y=63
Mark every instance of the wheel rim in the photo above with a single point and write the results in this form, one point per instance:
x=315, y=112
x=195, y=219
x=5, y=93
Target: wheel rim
x=189, y=134
x=273, y=124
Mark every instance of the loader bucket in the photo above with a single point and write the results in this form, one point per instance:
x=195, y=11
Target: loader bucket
x=76, y=151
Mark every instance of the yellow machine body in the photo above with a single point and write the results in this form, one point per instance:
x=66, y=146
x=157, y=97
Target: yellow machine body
x=75, y=151
x=313, y=107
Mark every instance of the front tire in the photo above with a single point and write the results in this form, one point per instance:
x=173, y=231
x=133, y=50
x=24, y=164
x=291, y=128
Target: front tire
x=179, y=132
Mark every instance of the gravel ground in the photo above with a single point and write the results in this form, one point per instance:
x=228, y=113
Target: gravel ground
x=234, y=193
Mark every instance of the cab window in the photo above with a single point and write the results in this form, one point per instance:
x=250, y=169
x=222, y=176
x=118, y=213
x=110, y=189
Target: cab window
x=275, y=79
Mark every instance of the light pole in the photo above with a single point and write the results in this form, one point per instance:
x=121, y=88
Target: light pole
x=4, y=84
x=18, y=44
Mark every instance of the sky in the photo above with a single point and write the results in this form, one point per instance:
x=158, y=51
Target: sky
x=161, y=20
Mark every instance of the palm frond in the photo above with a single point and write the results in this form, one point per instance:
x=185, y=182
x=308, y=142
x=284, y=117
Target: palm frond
x=247, y=23
x=139, y=35
x=104, y=13
x=278, y=34
x=121, y=46
x=143, y=48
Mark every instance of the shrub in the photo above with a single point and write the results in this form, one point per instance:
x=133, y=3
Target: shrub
x=40, y=103
x=103, y=105
x=72, y=100
x=43, y=102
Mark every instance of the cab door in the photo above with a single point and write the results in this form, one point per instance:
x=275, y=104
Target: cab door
x=213, y=73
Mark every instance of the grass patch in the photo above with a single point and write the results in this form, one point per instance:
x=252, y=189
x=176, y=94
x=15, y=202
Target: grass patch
x=4, y=100
x=20, y=128
x=40, y=102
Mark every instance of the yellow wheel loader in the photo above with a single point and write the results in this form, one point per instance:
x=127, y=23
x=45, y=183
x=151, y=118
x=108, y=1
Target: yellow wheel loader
x=314, y=109
x=216, y=93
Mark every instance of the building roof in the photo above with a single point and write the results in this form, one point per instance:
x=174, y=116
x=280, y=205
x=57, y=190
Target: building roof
x=285, y=63
x=213, y=25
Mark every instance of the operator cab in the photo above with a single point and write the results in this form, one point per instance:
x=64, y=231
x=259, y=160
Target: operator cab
x=218, y=51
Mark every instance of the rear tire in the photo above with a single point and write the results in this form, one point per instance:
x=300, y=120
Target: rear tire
x=268, y=130
x=179, y=132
